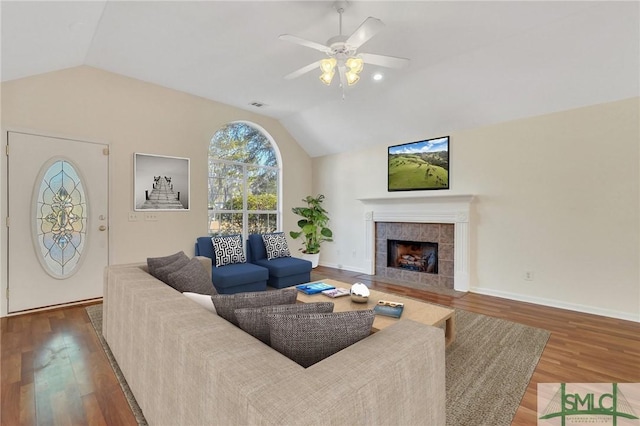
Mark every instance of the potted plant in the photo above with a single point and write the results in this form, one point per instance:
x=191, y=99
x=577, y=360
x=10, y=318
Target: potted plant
x=313, y=227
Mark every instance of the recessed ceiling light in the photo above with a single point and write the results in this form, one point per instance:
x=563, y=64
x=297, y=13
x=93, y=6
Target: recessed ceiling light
x=378, y=76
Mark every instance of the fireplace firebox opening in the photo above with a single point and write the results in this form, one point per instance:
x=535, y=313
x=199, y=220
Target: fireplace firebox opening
x=413, y=256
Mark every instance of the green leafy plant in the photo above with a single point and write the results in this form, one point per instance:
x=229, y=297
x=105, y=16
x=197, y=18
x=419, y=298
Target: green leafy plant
x=313, y=226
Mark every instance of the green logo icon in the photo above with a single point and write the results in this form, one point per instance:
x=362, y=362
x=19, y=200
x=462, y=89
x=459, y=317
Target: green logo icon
x=585, y=403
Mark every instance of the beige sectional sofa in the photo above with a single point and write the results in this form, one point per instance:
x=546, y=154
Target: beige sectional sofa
x=187, y=366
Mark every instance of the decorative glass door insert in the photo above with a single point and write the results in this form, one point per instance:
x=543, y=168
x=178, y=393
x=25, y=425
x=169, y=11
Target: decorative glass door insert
x=60, y=222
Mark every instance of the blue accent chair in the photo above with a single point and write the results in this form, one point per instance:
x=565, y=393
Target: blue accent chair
x=236, y=278
x=284, y=271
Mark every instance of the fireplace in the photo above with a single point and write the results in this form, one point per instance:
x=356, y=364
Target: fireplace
x=441, y=219
x=415, y=253
x=417, y=256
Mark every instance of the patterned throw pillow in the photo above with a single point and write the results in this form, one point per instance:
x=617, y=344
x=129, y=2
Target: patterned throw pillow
x=253, y=320
x=154, y=263
x=309, y=338
x=192, y=278
x=228, y=250
x=226, y=304
x=276, y=245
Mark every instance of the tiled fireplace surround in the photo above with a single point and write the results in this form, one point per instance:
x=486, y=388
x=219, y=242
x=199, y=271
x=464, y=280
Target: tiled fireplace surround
x=420, y=218
x=440, y=233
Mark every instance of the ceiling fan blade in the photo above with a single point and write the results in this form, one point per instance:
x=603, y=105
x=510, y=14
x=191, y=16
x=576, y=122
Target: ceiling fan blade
x=302, y=70
x=384, y=61
x=306, y=43
x=364, y=32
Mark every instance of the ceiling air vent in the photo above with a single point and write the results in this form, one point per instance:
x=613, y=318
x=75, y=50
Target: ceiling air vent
x=258, y=104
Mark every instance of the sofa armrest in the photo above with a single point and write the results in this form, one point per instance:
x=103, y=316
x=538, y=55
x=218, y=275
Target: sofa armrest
x=395, y=376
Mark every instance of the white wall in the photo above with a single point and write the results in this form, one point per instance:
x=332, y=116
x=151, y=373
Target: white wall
x=556, y=194
x=133, y=116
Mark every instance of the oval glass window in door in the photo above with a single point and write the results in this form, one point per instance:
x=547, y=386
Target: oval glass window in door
x=60, y=225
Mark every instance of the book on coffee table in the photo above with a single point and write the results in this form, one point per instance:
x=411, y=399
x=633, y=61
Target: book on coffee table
x=336, y=292
x=389, y=309
x=314, y=288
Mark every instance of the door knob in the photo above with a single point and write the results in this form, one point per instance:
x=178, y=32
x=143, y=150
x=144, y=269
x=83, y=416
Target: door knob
x=102, y=228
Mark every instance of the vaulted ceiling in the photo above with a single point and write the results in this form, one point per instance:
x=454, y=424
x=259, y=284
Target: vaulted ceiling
x=472, y=63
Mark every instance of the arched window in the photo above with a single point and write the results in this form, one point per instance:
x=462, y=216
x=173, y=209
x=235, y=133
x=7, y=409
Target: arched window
x=244, y=181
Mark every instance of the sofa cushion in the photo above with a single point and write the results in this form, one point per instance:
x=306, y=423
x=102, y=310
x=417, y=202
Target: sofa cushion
x=193, y=278
x=238, y=274
x=226, y=304
x=253, y=320
x=203, y=300
x=204, y=247
x=285, y=266
x=255, y=248
x=163, y=272
x=309, y=338
x=276, y=245
x=228, y=250
x=154, y=263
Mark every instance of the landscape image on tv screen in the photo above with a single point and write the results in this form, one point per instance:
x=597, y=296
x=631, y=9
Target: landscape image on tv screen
x=419, y=165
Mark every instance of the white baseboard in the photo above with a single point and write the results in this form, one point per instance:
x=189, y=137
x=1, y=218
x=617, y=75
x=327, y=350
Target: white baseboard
x=558, y=304
x=344, y=267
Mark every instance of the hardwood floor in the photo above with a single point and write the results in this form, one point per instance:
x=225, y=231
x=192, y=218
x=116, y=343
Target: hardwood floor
x=53, y=370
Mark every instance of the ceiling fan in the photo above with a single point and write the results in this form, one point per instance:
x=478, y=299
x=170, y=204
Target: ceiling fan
x=342, y=52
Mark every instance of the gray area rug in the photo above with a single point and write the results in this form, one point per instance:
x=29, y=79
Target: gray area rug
x=488, y=368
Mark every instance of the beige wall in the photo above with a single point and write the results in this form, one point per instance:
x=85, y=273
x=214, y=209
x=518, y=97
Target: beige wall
x=556, y=194
x=133, y=116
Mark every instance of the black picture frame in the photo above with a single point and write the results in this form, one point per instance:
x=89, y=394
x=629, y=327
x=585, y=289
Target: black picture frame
x=419, y=166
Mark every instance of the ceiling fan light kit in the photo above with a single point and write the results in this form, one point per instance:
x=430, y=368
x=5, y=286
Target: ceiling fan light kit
x=342, y=53
x=328, y=66
x=328, y=70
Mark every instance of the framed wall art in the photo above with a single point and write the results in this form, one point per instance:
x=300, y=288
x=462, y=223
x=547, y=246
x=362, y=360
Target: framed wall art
x=161, y=183
x=420, y=165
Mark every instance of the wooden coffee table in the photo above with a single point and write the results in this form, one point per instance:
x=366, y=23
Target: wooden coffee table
x=415, y=310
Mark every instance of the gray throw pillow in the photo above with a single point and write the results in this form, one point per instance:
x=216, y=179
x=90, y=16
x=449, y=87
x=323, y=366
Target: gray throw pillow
x=192, y=278
x=253, y=320
x=154, y=263
x=226, y=304
x=228, y=250
x=163, y=273
x=309, y=338
x=276, y=245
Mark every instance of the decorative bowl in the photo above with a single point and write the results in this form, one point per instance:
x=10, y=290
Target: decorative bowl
x=359, y=293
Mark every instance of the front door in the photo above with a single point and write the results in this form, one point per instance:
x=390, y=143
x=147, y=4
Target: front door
x=57, y=220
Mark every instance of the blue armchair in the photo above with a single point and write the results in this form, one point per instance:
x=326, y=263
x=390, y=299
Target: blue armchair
x=234, y=278
x=283, y=271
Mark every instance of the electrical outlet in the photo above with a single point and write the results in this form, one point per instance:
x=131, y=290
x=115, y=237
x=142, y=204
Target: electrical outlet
x=134, y=217
x=528, y=275
x=151, y=217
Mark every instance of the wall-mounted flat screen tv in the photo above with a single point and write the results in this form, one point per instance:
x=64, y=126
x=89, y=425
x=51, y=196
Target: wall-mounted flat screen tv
x=421, y=165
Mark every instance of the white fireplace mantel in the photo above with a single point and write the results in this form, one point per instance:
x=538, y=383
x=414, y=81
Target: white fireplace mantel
x=446, y=208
